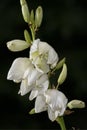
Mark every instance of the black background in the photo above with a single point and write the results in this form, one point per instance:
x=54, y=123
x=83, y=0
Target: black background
x=64, y=27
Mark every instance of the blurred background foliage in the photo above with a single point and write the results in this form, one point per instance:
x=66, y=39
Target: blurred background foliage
x=64, y=26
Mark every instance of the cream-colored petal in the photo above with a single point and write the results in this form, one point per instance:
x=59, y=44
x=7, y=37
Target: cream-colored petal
x=52, y=58
x=51, y=114
x=52, y=55
x=33, y=94
x=17, y=69
x=17, y=45
x=41, y=65
x=34, y=48
x=33, y=76
x=41, y=79
x=40, y=104
x=56, y=100
x=28, y=71
x=40, y=87
x=25, y=88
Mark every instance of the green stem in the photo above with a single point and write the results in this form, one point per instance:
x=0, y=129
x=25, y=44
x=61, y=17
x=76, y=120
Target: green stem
x=61, y=122
x=32, y=33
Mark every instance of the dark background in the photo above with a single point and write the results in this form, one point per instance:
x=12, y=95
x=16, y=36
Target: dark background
x=64, y=26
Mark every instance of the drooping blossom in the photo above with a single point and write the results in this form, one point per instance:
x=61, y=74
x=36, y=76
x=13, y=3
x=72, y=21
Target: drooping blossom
x=43, y=56
x=52, y=101
x=22, y=70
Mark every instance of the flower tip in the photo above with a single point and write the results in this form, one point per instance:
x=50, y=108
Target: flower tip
x=22, y=2
x=76, y=104
x=9, y=76
x=8, y=45
x=32, y=111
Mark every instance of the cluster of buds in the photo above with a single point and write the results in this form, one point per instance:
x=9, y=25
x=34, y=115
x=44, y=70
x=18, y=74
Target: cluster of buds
x=34, y=73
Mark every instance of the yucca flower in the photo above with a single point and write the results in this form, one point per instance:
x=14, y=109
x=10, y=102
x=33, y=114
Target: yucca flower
x=43, y=56
x=52, y=101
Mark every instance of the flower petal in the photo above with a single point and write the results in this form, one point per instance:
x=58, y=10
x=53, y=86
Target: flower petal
x=33, y=76
x=41, y=65
x=17, y=69
x=52, y=114
x=52, y=55
x=41, y=79
x=25, y=88
x=34, y=46
x=56, y=100
x=40, y=104
x=43, y=55
x=33, y=94
x=52, y=58
x=41, y=86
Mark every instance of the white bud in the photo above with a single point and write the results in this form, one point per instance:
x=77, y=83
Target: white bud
x=62, y=75
x=76, y=104
x=17, y=45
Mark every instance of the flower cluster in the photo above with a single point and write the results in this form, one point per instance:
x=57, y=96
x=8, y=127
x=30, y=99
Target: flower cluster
x=34, y=73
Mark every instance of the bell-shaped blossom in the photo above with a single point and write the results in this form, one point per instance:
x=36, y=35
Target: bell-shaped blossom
x=17, y=45
x=43, y=56
x=53, y=101
x=22, y=70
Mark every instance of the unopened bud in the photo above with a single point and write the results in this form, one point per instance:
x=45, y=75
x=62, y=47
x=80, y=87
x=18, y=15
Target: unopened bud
x=25, y=10
x=17, y=45
x=60, y=63
x=27, y=37
x=62, y=75
x=22, y=2
x=76, y=104
x=38, y=16
x=32, y=17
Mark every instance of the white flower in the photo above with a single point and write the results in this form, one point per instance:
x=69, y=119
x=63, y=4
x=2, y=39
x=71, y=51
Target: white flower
x=17, y=45
x=53, y=101
x=22, y=70
x=43, y=56
x=40, y=87
x=18, y=68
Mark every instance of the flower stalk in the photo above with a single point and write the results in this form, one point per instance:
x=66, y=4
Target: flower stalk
x=60, y=121
x=32, y=32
